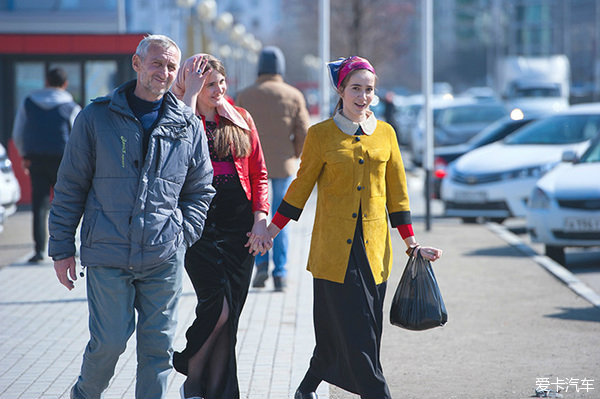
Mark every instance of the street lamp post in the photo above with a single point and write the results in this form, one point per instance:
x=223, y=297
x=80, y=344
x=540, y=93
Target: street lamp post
x=206, y=12
x=189, y=4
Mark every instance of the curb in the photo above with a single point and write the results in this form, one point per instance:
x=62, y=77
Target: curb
x=555, y=268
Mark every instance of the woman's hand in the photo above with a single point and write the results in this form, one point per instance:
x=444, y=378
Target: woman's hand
x=194, y=81
x=430, y=253
x=259, y=240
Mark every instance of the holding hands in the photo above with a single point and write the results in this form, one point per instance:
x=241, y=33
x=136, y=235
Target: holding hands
x=259, y=239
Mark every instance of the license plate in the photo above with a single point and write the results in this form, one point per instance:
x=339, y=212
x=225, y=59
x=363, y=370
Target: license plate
x=582, y=225
x=470, y=196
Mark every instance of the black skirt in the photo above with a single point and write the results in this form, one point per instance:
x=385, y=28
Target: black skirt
x=348, y=322
x=220, y=267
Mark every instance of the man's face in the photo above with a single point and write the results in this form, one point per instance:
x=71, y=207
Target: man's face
x=156, y=72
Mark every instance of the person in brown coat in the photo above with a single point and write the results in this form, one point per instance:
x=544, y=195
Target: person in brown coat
x=281, y=117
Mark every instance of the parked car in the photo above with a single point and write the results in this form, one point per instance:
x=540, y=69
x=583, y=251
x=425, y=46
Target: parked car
x=408, y=110
x=564, y=207
x=494, y=181
x=455, y=121
x=10, y=191
x=494, y=132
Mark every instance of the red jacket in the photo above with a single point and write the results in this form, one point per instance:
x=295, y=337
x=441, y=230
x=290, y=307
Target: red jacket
x=252, y=170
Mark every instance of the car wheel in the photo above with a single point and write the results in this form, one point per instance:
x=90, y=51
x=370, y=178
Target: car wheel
x=556, y=253
x=469, y=220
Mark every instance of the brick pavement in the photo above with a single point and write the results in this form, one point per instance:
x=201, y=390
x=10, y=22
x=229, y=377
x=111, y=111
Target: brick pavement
x=44, y=327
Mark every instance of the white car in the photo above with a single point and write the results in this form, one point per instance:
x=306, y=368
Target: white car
x=10, y=191
x=455, y=121
x=564, y=207
x=494, y=181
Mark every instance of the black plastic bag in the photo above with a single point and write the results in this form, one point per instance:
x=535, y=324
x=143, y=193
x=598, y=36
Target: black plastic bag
x=418, y=303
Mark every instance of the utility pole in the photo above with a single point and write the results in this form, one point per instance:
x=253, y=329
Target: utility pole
x=427, y=85
x=324, y=12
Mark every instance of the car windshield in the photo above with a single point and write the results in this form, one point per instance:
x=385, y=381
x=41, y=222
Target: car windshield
x=537, y=92
x=470, y=114
x=559, y=129
x=496, y=131
x=592, y=154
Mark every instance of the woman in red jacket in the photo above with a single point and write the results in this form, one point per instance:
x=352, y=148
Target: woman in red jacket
x=219, y=264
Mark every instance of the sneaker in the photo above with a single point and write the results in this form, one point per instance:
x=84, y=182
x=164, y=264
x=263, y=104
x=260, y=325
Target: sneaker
x=36, y=258
x=261, y=275
x=279, y=283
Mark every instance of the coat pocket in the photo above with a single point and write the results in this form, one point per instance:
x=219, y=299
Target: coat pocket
x=378, y=158
x=338, y=173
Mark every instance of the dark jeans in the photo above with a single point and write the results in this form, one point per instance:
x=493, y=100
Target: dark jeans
x=42, y=170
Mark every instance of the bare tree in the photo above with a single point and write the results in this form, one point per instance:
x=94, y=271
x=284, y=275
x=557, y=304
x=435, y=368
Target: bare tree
x=380, y=30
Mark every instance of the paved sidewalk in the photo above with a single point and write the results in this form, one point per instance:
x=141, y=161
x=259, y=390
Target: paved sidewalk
x=44, y=327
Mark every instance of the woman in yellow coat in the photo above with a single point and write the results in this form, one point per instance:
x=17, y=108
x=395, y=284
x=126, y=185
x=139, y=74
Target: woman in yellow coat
x=355, y=161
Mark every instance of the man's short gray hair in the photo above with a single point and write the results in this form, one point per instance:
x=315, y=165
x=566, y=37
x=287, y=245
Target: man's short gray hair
x=161, y=40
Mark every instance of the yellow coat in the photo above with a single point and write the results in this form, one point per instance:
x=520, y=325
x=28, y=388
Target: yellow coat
x=350, y=172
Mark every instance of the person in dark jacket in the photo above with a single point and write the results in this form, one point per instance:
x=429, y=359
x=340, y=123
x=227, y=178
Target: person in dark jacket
x=137, y=168
x=220, y=263
x=40, y=132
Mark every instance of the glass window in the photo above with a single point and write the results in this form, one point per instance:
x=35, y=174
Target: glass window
x=62, y=5
x=100, y=78
x=73, y=70
x=29, y=76
x=593, y=153
x=471, y=114
x=560, y=129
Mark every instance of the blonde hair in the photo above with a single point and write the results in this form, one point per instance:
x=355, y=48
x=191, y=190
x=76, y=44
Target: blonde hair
x=227, y=133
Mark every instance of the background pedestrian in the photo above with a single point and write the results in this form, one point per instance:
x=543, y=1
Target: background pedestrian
x=137, y=168
x=220, y=264
x=281, y=117
x=40, y=132
x=355, y=161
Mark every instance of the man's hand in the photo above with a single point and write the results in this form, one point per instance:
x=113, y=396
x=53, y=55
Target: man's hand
x=63, y=269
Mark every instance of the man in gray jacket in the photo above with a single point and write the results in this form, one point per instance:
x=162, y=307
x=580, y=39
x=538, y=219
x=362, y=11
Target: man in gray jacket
x=137, y=168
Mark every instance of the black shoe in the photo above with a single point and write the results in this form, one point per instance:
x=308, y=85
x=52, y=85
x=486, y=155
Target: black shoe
x=262, y=274
x=300, y=395
x=279, y=283
x=36, y=258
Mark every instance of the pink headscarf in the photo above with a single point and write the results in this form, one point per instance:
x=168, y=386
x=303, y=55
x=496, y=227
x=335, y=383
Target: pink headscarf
x=224, y=108
x=340, y=68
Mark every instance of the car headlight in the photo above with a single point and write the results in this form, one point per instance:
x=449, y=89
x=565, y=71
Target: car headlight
x=539, y=199
x=533, y=171
x=5, y=165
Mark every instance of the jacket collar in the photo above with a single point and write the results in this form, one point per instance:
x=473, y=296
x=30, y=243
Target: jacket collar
x=347, y=126
x=172, y=110
x=266, y=77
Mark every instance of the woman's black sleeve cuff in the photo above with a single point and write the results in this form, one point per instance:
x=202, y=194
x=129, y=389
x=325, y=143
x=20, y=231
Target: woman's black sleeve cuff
x=289, y=211
x=399, y=218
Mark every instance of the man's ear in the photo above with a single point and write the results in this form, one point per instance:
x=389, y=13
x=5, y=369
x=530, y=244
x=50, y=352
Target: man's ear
x=135, y=62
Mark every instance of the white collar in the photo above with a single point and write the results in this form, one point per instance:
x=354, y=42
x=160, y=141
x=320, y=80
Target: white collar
x=347, y=126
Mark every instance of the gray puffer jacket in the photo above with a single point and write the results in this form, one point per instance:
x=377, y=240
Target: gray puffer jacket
x=136, y=211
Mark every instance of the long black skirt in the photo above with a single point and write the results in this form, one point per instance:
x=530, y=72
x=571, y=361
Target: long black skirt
x=220, y=267
x=348, y=322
